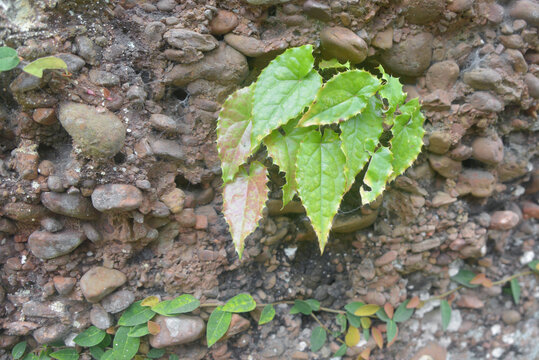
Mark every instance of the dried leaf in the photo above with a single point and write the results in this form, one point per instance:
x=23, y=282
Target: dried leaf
x=377, y=336
x=153, y=327
x=388, y=308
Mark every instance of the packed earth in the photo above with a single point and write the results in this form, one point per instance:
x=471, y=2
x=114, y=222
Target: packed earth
x=111, y=190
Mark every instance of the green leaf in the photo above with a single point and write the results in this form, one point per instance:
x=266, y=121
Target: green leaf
x=268, y=313
x=515, y=290
x=50, y=62
x=318, y=338
x=464, y=277
x=354, y=320
x=18, y=350
x=180, y=305
x=283, y=149
x=381, y=314
x=283, y=89
x=343, y=96
x=377, y=175
x=125, y=347
x=173, y=357
x=65, y=354
x=97, y=352
x=314, y=304
x=136, y=314
x=138, y=330
x=342, y=351
x=234, y=132
x=353, y=306
x=391, y=328
x=391, y=91
x=8, y=58
x=301, y=306
x=321, y=180
x=407, y=137
x=366, y=334
x=341, y=321
x=90, y=337
x=243, y=202
x=106, y=341
x=402, y=314
x=240, y=303
x=30, y=356
x=445, y=309
x=333, y=64
x=108, y=355
x=155, y=353
x=534, y=265
x=359, y=137
x=218, y=324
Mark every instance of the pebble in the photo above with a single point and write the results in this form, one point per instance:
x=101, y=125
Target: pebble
x=91, y=232
x=385, y=259
x=511, y=317
x=349, y=223
x=166, y=5
x=116, y=197
x=532, y=82
x=103, y=78
x=527, y=10
x=100, y=281
x=72, y=205
x=488, y=150
x=223, y=22
x=24, y=212
x=426, y=245
x=167, y=148
x=512, y=41
x=164, y=123
x=424, y=11
x=46, y=245
x=366, y=269
x=442, y=75
x=504, y=220
x=44, y=309
x=64, y=285
x=50, y=334
x=445, y=166
x=482, y=79
x=154, y=31
x=439, y=142
x=176, y=330
x=87, y=49
x=7, y=226
x=183, y=39
x=252, y=47
x=343, y=44
x=44, y=116
x=238, y=324
x=530, y=210
x=484, y=101
x=74, y=63
x=118, y=301
x=25, y=82
x=470, y=301
x=317, y=10
x=97, y=133
x=410, y=57
x=100, y=318
x=383, y=39
x=432, y=351
x=479, y=183
x=54, y=183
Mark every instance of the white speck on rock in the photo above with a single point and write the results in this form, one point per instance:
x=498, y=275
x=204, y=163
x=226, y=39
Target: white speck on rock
x=290, y=252
x=495, y=329
x=527, y=257
x=497, y=352
x=508, y=339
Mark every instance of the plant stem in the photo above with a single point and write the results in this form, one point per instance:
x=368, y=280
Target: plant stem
x=517, y=275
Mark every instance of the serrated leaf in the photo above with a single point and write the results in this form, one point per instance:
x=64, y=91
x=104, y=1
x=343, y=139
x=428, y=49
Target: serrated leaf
x=407, y=137
x=8, y=58
x=182, y=304
x=138, y=330
x=36, y=67
x=377, y=336
x=391, y=91
x=136, y=314
x=445, y=309
x=90, y=337
x=150, y=301
x=301, y=306
x=377, y=175
x=367, y=310
x=243, y=202
x=321, y=180
x=515, y=290
x=18, y=350
x=97, y=352
x=359, y=138
x=124, y=346
x=240, y=303
x=234, y=132
x=155, y=353
x=283, y=149
x=391, y=331
x=283, y=89
x=341, y=321
x=343, y=96
x=65, y=354
x=352, y=336
x=318, y=338
x=268, y=313
x=218, y=324
x=403, y=313
x=341, y=352
x=333, y=64
x=464, y=277
x=534, y=265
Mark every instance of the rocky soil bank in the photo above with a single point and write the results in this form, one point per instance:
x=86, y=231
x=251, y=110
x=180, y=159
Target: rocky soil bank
x=110, y=185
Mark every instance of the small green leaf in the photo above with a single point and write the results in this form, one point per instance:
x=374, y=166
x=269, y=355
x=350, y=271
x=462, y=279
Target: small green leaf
x=30, y=356
x=402, y=314
x=366, y=334
x=534, y=265
x=155, y=353
x=268, y=313
x=138, y=330
x=136, y=314
x=314, y=304
x=354, y=320
x=108, y=355
x=18, y=350
x=342, y=351
x=391, y=91
x=333, y=64
x=240, y=303
x=97, y=352
x=8, y=58
x=343, y=96
x=218, y=324
x=515, y=290
x=381, y=314
x=318, y=338
x=366, y=322
x=107, y=340
x=445, y=309
x=65, y=354
x=173, y=357
x=90, y=337
x=341, y=321
x=353, y=306
x=125, y=347
x=301, y=306
x=180, y=305
x=391, y=328
x=378, y=172
x=464, y=277
x=50, y=62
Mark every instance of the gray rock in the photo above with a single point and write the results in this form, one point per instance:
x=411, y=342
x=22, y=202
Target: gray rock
x=73, y=62
x=46, y=245
x=116, y=197
x=87, y=49
x=424, y=11
x=100, y=318
x=511, y=317
x=54, y=183
x=98, y=133
x=482, y=79
x=488, y=150
x=410, y=57
x=25, y=82
x=44, y=309
x=166, y=5
x=182, y=39
x=533, y=85
x=343, y=44
x=266, y=2
x=100, y=281
x=91, y=232
x=154, y=31
x=176, y=330
x=484, y=101
x=317, y=10
x=426, y=245
x=7, y=226
x=118, y=301
x=50, y=334
x=252, y=47
x=164, y=123
x=72, y=205
x=51, y=225
x=366, y=269
x=167, y=148
x=25, y=212
x=103, y=78
x=527, y=10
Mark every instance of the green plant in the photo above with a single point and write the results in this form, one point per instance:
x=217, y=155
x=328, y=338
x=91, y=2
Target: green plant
x=321, y=135
x=9, y=60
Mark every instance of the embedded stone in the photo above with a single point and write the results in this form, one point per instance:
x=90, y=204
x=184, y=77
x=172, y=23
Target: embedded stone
x=482, y=79
x=116, y=197
x=177, y=330
x=46, y=245
x=182, y=39
x=224, y=22
x=100, y=281
x=488, y=150
x=72, y=205
x=410, y=57
x=343, y=44
x=445, y=166
x=479, y=183
x=504, y=220
x=423, y=11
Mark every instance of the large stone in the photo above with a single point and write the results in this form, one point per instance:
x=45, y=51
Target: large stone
x=118, y=301
x=532, y=82
x=176, y=330
x=484, y=101
x=183, y=39
x=439, y=142
x=410, y=57
x=445, y=166
x=482, y=79
x=46, y=245
x=24, y=212
x=527, y=10
x=50, y=334
x=479, y=183
x=100, y=281
x=98, y=133
x=72, y=205
x=504, y=220
x=116, y=197
x=423, y=11
x=488, y=150
x=343, y=44
x=170, y=149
